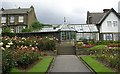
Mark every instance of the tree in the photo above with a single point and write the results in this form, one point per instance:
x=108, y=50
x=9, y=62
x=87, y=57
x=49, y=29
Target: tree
x=6, y=31
x=36, y=25
x=27, y=30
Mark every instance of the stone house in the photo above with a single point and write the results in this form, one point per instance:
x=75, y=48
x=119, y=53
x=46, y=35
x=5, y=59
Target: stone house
x=17, y=19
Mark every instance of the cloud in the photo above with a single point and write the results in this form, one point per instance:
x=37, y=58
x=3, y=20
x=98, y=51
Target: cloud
x=53, y=11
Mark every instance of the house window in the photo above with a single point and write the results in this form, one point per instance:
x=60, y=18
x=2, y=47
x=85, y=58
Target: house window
x=109, y=23
x=3, y=19
x=115, y=37
x=20, y=19
x=108, y=37
x=115, y=23
x=12, y=19
x=19, y=29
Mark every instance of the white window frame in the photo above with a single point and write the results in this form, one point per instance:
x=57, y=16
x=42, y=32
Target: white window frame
x=3, y=19
x=19, y=29
x=115, y=37
x=21, y=19
x=12, y=19
x=108, y=37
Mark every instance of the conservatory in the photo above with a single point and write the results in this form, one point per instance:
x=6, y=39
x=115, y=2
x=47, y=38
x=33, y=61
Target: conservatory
x=68, y=32
x=86, y=31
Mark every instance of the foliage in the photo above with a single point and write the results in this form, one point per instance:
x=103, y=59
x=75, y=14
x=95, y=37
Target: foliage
x=78, y=44
x=111, y=57
x=41, y=66
x=97, y=66
x=7, y=61
x=103, y=42
x=46, y=44
x=22, y=52
x=6, y=31
x=24, y=56
x=98, y=47
x=27, y=30
x=36, y=25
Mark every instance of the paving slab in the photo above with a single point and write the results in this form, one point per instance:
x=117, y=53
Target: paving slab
x=69, y=63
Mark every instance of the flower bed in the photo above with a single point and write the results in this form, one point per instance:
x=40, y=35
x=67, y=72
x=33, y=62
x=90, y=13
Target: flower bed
x=81, y=45
x=107, y=55
x=24, y=56
x=108, y=52
x=22, y=52
x=111, y=57
x=41, y=66
x=93, y=63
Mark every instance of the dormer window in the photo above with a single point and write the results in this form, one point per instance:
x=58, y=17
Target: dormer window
x=109, y=23
x=20, y=19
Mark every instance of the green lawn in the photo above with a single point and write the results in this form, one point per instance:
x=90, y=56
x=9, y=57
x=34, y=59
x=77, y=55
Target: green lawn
x=96, y=65
x=41, y=66
x=98, y=47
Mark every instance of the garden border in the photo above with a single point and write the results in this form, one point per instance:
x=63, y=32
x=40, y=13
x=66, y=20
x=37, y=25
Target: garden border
x=50, y=65
x=88, y=66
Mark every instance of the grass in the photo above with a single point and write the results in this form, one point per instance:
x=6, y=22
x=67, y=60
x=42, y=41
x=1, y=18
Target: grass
x=41, y=66
x=98, y=47
x=96, y=65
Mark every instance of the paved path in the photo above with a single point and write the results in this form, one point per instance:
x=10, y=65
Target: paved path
x=68, y=63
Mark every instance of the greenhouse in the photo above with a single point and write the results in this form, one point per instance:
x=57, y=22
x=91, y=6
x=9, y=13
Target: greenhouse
x=67, y=32
x=86, y=31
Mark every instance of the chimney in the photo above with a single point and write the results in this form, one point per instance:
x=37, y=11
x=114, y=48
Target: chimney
x=19, y=8
x=105, y=10
x=2, y=9
x=31, y=6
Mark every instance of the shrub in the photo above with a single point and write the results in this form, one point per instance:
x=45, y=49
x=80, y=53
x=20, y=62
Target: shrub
x=7, y=61
x=46, y=44
x=24, y=56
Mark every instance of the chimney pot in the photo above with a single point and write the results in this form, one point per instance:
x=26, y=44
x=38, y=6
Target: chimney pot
x=105, y=10
x=2, y=9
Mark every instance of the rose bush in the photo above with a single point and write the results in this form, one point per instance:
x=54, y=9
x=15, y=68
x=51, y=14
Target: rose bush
x=7, y=61
x=111, y=57
x=24, y=56
x=22, y=52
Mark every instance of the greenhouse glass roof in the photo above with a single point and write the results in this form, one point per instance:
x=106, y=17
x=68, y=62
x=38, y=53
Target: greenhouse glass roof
x=85, y=27
x=72, y=27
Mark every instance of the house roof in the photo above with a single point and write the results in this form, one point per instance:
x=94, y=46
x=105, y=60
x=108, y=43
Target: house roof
x=98, y=18
x=111, y=10
x=16, y=11
x=95, y=17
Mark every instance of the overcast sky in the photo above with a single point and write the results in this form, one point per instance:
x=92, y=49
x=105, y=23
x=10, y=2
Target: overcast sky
x=53, y=11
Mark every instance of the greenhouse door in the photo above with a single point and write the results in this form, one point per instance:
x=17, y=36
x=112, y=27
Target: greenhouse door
x=67, y=35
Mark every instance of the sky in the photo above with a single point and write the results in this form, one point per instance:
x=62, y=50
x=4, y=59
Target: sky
x=54, y=11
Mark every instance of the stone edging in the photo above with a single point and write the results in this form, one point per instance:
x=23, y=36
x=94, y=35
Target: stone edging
x=88, y=66
x=50, y=66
